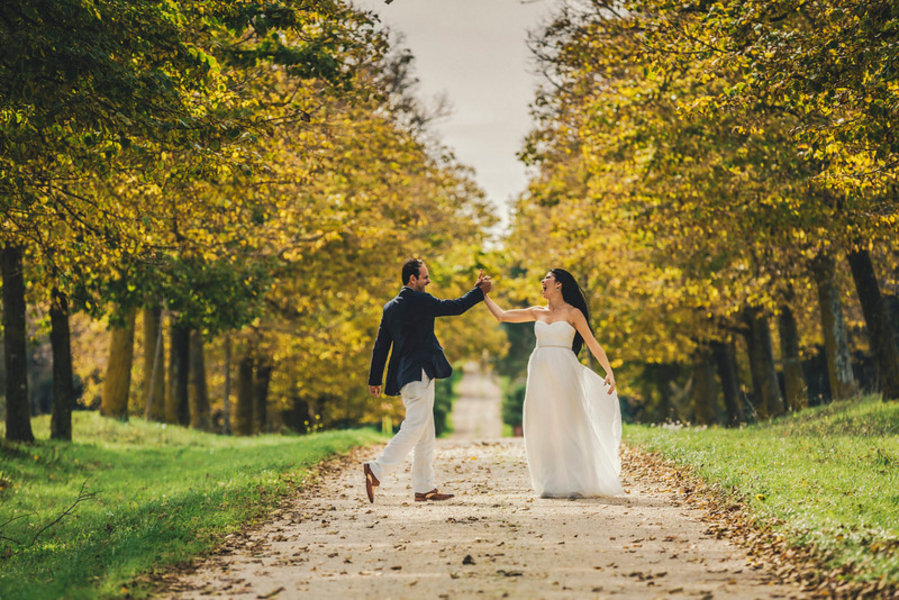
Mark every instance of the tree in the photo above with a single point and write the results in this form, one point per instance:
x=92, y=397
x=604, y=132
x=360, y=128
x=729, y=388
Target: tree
x=96, y=116
x=117, y=383
x=705, y=142
x=198, y=393
x=177, y=408
x=63, y=390
x=154, y=370
x=883, y=342
x=18, y=418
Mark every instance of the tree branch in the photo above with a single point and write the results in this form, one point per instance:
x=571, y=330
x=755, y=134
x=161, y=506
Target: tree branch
x=82, y=496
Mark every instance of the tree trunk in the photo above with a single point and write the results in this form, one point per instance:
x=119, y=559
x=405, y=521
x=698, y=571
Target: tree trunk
x=199, y=394
x=768, y=401
x=154, y=369
x=63, y=390
x=2, y=368
x=892, y=303
x=260, y=394
x=726, y=362
x=18, y=413
x=227, y=391
x=705, y=405
x=243, y=417
x=297, y=417
x=877, y=322
x=836, y=340
x=794, y=380
x=117, y=384
x=664, y=374
x=177, y=409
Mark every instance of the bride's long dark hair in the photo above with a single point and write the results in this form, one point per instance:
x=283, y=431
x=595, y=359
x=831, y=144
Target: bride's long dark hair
x=572, y=294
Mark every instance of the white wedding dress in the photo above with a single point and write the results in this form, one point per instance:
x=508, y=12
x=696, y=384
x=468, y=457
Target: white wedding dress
x=572, y=424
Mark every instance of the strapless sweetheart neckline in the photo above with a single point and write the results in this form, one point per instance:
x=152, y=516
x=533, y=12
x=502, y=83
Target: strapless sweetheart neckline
x=554, y=322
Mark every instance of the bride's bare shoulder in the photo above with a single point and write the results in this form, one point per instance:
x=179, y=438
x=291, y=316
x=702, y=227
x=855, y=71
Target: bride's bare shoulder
x=573, y=313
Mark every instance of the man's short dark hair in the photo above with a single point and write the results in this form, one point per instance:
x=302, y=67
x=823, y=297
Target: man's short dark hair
x=411, y=267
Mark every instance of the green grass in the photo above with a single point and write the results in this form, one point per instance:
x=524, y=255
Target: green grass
x=826, y=477
x=162, y=495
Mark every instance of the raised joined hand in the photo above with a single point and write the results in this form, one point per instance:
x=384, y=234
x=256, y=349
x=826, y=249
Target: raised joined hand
x=484, y=282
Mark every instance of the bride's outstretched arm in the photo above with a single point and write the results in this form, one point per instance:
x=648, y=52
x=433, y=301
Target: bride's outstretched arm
x=518, y=315
x=580, y=323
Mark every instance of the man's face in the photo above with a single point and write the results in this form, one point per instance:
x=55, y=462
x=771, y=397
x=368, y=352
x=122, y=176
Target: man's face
x=420, y=283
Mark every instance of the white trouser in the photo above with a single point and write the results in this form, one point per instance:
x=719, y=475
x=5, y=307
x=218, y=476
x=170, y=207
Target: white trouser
x=416, y=431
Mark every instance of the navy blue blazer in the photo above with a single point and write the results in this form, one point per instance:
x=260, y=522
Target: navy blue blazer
x=407, y=324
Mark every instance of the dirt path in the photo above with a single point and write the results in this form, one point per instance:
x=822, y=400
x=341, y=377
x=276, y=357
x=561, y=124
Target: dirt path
x=476, y=412
x=494, y=540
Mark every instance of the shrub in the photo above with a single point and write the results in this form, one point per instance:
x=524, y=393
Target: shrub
x=513, y=402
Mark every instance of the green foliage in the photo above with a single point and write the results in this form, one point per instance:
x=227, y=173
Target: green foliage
x=123, y=123
x=163, y=495
x=260, y=168
x=445, y=394
x=826, y=477
x=521, y=338
x=513, y=401
x=691, y=161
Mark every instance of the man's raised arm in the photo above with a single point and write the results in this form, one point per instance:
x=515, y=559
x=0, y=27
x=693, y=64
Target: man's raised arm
x=457, y=306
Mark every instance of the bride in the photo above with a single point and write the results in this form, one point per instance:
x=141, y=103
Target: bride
x=572, y=421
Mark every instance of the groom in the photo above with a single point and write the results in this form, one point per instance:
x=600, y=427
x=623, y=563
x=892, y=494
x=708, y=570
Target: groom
x=407, y=324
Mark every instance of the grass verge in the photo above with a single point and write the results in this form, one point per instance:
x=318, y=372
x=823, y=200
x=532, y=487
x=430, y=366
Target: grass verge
x=826, y=478
x=160, y=495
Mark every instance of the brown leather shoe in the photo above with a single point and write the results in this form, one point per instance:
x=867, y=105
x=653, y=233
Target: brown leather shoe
x=433, y=495
x=371, y=482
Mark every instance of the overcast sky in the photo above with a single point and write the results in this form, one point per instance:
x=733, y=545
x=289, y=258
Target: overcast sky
x=474, y=52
